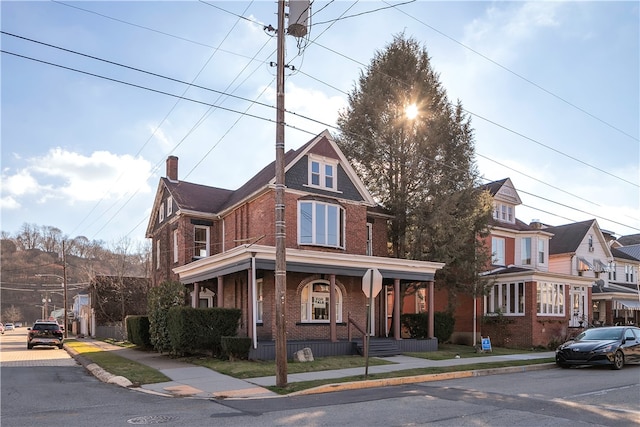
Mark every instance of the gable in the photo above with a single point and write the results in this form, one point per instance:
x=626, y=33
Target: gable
x=323, y=146
x=506, y=192
x=570, y=237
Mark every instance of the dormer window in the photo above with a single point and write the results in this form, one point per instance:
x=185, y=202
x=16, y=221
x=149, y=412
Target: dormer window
x=323, y=173
x=504, y=213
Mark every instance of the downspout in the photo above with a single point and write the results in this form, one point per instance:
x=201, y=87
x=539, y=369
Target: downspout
x=222, y=221
x=254, y=300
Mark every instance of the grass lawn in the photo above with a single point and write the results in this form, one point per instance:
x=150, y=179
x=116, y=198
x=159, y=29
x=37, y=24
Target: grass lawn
x=267, y=368
x=118, y=365
x=304, y=385
x=449, y=351
x=141, y=374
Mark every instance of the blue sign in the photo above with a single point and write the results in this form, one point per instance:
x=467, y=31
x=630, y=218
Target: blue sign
x=486, y=344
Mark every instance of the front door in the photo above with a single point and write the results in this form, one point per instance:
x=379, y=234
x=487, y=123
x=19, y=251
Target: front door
x=579, y=315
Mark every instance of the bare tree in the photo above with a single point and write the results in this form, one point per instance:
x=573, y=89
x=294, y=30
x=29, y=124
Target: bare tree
x=29, y=236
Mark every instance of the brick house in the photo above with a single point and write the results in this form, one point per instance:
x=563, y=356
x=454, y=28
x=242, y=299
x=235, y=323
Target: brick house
x=616, y=294
x=220, y=244
x=539, y=292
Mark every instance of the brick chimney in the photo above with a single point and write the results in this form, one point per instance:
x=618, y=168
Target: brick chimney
x=172, y=168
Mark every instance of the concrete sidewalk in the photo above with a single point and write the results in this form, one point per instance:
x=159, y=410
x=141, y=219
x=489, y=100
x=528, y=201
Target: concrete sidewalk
x=187, y=380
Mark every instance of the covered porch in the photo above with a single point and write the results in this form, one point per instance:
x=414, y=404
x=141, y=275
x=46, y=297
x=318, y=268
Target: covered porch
x=325, y=303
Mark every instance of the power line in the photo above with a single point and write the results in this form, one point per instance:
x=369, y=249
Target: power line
x=520, y=76
x=192, y=41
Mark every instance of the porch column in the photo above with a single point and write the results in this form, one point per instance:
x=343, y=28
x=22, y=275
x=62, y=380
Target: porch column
x=396, y=309
x=332, y=308
x=220, y=295
x=250, y=302
x=195, y=296
x=431, y=308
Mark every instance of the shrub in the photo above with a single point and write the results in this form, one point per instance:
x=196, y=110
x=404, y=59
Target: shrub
x=192, y=330
x=236, y=348
x=138, y=330
x=160, y=299
x=418, y=325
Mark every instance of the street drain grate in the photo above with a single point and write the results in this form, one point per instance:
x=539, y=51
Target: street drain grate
x=151, y=419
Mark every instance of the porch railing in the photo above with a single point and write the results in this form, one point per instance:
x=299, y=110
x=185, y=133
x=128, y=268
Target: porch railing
x=350, y=322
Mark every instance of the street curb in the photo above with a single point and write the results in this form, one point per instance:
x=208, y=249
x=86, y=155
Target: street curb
x=97, y=371
x=384, y=382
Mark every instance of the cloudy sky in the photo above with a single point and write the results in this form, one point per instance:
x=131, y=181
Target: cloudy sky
x=96, y=95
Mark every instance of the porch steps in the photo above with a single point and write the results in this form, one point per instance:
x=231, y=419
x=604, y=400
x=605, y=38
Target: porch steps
x=380, y=347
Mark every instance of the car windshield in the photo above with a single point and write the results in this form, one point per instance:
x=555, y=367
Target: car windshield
x=45, y=327
x=600, y=334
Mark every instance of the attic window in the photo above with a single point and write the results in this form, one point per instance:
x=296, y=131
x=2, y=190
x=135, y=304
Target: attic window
x=161, y=213
x=323, y=173
x=169, y=205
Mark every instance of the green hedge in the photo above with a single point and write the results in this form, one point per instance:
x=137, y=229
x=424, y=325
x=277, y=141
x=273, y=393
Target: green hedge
x=138, y=330
x=418, y=325
x=236, y=348
x=192, y=330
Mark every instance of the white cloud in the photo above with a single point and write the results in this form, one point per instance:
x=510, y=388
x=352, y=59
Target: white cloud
x=9, y=203
x=310, y=103
x=19, y=184
x=75, y=177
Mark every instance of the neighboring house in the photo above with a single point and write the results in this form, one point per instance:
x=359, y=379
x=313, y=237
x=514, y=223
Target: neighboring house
x=82, y=316
x=112, y=299
x=616, y=296
x=221, y=245
x=531, y=296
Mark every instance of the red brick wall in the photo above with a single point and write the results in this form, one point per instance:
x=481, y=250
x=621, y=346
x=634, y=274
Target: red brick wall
x=256, y=219
x=529, y=330
x=236, y=295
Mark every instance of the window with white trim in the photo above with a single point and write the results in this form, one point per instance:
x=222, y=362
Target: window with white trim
x=157, y=254
x=505, y=298
x=612, y=270
x=169, y=205
x=320, y=224
x=540, y=251
x=175, y=245
x=525, y=251
x=314, y=302
x=628, y=273
x=550, y=299
x=259, y=301
x=497, y=250
x=161, y=213
x=369, y=239
x=200, y=241
x=323, y=173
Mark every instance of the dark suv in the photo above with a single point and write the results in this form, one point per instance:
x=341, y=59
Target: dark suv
x=44, y=333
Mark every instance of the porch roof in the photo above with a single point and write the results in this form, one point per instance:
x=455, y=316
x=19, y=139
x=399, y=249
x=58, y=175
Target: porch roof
x=305, y=261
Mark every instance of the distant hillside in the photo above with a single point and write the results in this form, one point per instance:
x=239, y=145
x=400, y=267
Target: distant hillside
x=31, y=268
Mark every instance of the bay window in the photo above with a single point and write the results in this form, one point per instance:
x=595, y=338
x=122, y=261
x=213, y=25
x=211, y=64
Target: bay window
x=320, y=224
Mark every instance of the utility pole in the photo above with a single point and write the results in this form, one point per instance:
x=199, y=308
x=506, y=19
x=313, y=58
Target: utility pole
x=64, y=285
x=281, y=264
x=298, y=17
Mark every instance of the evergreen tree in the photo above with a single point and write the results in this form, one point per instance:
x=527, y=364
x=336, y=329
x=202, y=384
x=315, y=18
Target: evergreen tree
x=421, y=169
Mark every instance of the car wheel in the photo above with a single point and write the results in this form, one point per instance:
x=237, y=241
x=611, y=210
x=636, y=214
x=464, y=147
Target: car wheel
x=618, y=360
x=29, y=346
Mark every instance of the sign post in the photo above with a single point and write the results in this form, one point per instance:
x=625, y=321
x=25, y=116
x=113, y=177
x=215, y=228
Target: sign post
x=371, y=286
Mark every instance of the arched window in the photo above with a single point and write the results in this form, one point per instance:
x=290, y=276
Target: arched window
x=314, y=302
